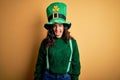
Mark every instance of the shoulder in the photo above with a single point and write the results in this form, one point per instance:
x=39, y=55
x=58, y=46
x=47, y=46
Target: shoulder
x=43, y=42
x=74, y=42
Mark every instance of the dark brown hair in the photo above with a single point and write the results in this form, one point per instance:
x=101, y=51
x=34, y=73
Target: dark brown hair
x=50, y=38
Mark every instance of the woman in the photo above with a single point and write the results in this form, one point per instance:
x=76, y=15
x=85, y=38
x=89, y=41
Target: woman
x=58, y=57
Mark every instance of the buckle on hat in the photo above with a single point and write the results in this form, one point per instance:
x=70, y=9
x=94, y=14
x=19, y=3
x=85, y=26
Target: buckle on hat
x=55, y=15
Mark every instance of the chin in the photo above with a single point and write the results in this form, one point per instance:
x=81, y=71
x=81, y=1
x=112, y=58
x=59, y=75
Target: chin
x=58, y=36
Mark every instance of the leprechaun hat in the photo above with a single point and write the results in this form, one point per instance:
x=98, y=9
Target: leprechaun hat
x=56, y=13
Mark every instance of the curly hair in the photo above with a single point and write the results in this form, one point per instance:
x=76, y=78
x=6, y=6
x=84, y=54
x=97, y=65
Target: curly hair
x=50, y=38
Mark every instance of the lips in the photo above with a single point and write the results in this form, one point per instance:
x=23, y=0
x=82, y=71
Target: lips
x=57, y=33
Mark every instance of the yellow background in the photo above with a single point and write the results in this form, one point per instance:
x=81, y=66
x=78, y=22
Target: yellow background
x=95, y=26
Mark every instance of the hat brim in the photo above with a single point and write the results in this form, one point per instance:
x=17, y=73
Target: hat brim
x=57, y=20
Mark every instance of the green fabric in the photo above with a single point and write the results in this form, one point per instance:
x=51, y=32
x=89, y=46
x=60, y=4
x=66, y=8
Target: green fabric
x=56, y=8
x=58, y=59
x=70, y=59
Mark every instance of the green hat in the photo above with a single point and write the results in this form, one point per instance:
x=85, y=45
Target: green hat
x=56, y=13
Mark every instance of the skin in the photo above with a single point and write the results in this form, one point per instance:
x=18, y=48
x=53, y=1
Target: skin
x=58, y=30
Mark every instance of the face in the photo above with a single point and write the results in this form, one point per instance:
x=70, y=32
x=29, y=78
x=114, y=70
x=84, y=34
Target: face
x=58, y=30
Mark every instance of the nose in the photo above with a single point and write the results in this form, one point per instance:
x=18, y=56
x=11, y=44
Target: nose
x=57, y=28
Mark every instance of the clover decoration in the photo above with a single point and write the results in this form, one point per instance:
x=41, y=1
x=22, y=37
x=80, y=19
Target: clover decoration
x=55, y=9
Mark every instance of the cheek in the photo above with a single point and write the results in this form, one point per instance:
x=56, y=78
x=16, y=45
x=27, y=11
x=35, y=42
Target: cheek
x=62, y=29
x=54, y=29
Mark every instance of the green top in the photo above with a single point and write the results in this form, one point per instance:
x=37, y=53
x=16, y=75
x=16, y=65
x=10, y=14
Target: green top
x=59, y=56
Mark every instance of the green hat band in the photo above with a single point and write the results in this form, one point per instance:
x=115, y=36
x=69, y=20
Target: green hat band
x=56, y=15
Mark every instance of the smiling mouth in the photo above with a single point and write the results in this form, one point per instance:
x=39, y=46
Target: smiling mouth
x=58, y=33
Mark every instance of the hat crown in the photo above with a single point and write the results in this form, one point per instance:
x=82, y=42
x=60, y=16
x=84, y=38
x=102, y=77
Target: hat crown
x=56, y=7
